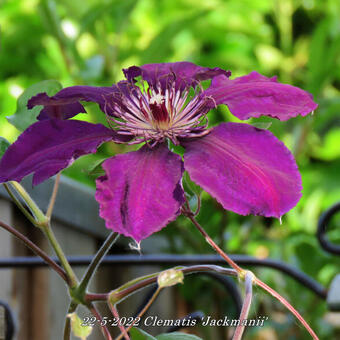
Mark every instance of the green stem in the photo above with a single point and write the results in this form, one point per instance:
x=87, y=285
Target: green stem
x=67, y=327
x=72, y=279
x=111, y=239
x=40, y=219
x=43, y=223
x=53, y=196
x=19, y=205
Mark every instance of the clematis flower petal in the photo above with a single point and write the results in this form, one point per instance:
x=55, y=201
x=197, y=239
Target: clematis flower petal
x=248, y=170
x=255, y=95
x=141, y=192
x=49, y=146
x=184, y=73
x=66, y=103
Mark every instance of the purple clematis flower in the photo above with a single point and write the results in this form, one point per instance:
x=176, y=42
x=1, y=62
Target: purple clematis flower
x=248, y=170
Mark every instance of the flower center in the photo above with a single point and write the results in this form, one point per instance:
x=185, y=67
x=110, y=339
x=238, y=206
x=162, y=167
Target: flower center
x=154, y=114
x=160, y=114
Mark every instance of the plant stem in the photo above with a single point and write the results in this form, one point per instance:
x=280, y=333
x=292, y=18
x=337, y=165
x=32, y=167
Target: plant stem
x=103, y=328
x=110, y=240
x=67, y=327
x=53, y=196
x=232, y=264
x=43, y=223
x=241, y=273
x=143, y=311
x=249, y=277
x=36, y=250
x=287, y=305
x=116, y=315
x=40, y=218
x=72, y=279
x=119, y=294
x=131, y=287
x=19, y=205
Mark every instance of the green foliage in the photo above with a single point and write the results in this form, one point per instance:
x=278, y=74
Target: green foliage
x=23, y=117
x=4, y=144
x=139, y=334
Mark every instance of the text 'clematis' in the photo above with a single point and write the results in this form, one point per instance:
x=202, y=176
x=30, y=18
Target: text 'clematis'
x=248, y=170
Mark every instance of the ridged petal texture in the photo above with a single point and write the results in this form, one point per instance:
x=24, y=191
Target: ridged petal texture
x=255, y=95
x=49, y=146
x=141, y=192
x=248, y=170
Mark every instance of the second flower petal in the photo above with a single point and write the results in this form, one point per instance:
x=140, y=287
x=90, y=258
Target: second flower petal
x=255, y=95
x=248, y=170
x=141, y=192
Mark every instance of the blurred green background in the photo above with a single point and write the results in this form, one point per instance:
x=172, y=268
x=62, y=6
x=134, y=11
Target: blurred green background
x=90, y=41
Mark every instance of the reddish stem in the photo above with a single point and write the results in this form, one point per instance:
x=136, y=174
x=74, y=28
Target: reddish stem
x=232, y=264
x=241, y=272
x=287, y=305
x=36, y=250
x=116, y=315
x=246, y=305
x=103, y=328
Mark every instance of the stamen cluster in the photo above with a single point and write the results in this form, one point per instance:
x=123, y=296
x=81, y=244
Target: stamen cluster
x=152, y=114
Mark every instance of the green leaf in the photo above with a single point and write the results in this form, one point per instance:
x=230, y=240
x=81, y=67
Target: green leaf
x=262, y=125
x=4, y=144
x=78, y=329
x=191, y=186
x=23, y=117
x=138, y=334
x=177, y=336
x=96, y=169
